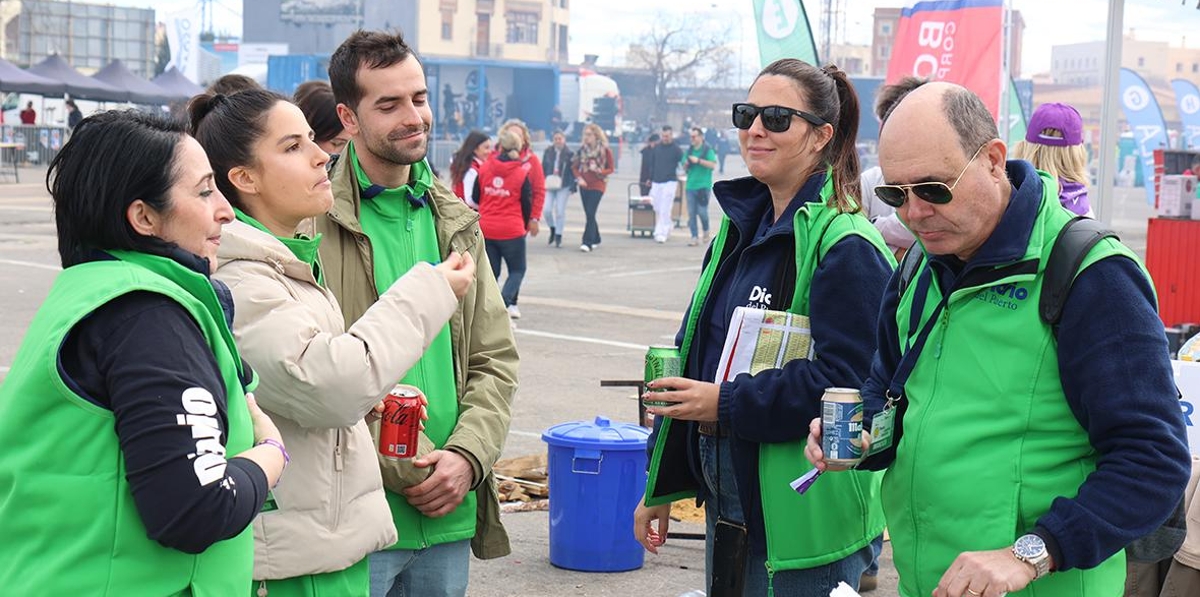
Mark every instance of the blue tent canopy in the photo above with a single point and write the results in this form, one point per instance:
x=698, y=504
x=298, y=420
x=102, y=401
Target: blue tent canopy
x=14, y=79
x=175, y=83
x=78, y=85
x=140, y=90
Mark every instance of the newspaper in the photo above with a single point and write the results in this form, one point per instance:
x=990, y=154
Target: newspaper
x=759, y=339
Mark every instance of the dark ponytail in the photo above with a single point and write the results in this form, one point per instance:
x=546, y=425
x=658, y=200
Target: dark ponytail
x=227, y=127
x=831, y=97
x=842, y=151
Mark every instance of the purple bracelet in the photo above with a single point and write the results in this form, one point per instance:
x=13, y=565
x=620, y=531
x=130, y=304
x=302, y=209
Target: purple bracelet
x=272, y=442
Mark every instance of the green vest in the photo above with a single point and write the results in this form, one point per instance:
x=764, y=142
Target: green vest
x=67, y=516
x=401, y=236
x=840, y=514
x=989, y=439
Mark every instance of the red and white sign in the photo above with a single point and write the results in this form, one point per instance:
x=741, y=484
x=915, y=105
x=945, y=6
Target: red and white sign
x=958, y=41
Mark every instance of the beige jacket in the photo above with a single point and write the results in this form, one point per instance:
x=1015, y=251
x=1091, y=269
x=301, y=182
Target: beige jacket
x=317, y=382
x=485, y=355
x=1189, y=552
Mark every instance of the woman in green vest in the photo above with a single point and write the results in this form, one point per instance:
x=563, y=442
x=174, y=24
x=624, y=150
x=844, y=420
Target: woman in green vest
x=792, y=240
x=134, y=458
x=320, y=377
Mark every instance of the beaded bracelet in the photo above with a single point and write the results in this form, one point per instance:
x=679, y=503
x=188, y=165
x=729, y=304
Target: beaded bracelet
x=273, y=442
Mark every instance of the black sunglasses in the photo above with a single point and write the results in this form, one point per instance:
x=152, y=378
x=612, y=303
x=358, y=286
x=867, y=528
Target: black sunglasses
x=776, y=119
x=934, y=192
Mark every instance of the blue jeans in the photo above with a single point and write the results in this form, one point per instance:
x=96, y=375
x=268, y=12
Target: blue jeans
x=512, y=252
x=697, y=208
x=723, y=501
x=555, y=212
x=436, y=571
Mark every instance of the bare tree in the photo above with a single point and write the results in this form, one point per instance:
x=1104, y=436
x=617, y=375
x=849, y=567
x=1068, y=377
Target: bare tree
x=682, y=50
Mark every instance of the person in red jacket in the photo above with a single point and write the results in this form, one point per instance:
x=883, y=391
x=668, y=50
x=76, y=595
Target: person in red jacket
x=504, y=191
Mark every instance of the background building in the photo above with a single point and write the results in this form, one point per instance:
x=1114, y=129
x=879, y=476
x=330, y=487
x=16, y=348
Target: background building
x=521, y=30
x=1158, y=62
x=87, y=36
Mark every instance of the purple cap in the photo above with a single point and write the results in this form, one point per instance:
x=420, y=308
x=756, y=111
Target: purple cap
x=1060, y=117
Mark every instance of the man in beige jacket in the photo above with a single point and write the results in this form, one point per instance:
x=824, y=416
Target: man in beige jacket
x=389, y=214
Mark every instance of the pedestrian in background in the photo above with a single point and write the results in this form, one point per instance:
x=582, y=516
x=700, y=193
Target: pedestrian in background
x=504, y=194
x=1054, y=143
x=464, y=166
x=73, y=114
x=698, y=163
x=664, y=183
x=134, y=456
x=591, y=167
x=537, y=177
x=444, y=502
x=791, y=240
x=560, y=183
x=1025, y=456
x=647, y=162
x=315, y=100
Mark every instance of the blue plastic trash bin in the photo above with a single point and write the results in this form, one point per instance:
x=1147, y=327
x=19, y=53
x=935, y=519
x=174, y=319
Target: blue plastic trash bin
x=597, y=475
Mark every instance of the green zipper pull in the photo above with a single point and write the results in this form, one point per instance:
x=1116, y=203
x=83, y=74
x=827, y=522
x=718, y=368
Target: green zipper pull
x=770, y=581
x=937, y=351
x=408, y=226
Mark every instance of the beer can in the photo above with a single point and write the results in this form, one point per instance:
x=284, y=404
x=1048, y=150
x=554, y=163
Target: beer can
x=841, y=426
x=400, y=424
x=661, y=361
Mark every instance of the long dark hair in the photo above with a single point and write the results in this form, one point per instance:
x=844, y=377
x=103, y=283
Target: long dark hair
x=227, y=126
x=830, y=96
x=315, y=99
x=112, y=159
x=461, y=162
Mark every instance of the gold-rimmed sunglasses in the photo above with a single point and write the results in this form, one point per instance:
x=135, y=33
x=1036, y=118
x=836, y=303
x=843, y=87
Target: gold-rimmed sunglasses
x=934, y=192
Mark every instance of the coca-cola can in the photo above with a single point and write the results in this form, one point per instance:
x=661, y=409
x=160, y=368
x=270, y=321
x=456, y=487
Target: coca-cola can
x=400, y=423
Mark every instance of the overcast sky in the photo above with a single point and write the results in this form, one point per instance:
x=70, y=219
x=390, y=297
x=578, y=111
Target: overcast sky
x=606, y=27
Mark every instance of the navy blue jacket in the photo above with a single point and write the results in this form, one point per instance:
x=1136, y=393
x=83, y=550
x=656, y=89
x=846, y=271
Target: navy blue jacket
x=1117, y=378
x=758, y=269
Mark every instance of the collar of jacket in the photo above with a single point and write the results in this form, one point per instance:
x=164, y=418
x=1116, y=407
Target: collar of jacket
x=241, y=241
x=745, y=200
x=448, y=210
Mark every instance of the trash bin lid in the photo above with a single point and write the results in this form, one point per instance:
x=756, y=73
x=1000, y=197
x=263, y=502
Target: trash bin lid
x=601, y=434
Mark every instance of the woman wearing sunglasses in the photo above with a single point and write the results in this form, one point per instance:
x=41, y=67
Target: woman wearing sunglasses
x=793, y=240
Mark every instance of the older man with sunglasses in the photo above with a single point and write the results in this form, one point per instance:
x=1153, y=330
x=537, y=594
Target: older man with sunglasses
x=1030, y=455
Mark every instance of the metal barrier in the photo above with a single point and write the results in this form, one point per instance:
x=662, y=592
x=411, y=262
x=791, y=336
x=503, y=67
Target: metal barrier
x=32, y=144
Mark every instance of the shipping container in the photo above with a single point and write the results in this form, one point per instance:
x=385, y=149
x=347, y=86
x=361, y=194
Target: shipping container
x=1173, y=259
x=286, y=73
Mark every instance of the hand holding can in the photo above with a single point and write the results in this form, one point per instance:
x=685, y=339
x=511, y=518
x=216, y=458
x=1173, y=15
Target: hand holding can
x=400, y=424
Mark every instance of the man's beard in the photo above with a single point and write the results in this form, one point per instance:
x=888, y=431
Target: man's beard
x=384, y=149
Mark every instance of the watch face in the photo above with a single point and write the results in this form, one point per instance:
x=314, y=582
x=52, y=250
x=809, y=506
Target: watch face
x=1029, y=546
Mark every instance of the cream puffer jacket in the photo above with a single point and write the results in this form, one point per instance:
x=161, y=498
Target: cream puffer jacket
x=317, y=382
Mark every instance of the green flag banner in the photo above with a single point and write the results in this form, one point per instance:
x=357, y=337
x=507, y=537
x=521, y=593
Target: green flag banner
x=783, y=31
x=1017, y=123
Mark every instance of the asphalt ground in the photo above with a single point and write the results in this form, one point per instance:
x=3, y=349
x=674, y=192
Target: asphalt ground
x=586, y=317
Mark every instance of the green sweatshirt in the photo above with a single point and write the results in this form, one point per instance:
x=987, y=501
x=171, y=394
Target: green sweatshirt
x=402, y=235
x=67, y=516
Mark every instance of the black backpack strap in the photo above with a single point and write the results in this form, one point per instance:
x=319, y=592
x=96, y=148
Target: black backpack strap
x=1070, y=248
x=909, y=265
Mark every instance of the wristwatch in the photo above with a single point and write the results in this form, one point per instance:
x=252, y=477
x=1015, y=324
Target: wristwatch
x=1032, y=550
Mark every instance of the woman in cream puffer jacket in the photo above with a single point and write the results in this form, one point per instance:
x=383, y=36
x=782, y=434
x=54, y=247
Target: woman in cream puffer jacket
x=317, y=378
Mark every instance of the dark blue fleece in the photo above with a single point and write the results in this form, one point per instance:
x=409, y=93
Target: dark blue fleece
x=1117, y=380
x=776, y=405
